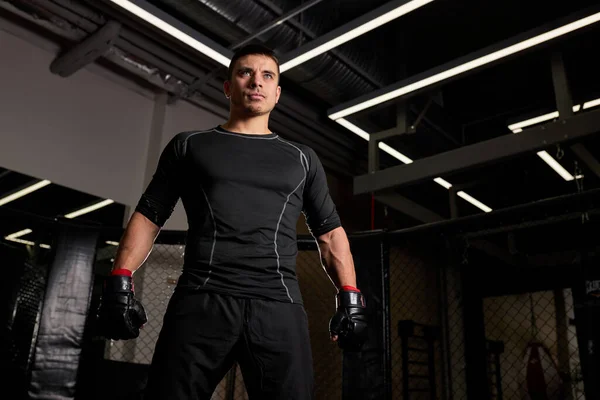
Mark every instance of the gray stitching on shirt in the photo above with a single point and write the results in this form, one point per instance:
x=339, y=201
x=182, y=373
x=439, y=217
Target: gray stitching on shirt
x=214, y=237
x=305, y=168
x=277, y=231
x=302, y=156
x=245, y=136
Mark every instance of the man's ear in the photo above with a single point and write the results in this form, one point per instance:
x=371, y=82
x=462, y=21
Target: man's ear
x=227, y=89
x=278, y=94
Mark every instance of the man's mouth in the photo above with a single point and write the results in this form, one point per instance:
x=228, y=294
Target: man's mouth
x=255, y=96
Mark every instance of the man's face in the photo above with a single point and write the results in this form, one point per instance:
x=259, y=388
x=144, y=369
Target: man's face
x=253, y=88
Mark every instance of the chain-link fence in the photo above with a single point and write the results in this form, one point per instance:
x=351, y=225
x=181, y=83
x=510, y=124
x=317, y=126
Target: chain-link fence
x=531, y=344
x=539, y=355
x=418, y=369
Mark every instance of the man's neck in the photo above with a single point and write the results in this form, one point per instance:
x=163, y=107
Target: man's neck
x=250, y=126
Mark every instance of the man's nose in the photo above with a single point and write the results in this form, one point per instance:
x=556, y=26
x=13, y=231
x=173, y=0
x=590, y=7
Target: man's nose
x=256, y=81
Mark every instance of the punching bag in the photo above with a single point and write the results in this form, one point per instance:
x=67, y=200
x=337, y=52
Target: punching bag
x=542, y=378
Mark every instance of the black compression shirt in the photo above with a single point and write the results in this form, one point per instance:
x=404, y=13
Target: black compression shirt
x=243, y=195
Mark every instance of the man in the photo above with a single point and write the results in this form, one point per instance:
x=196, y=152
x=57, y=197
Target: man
x=243, y=188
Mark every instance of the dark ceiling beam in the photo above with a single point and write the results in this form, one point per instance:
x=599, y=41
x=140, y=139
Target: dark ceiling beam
x=420, y=85
x=426, y=216
x=486, y=152
x=408, y=207
x=87, y=51
x=564, y=104
x=587, y=158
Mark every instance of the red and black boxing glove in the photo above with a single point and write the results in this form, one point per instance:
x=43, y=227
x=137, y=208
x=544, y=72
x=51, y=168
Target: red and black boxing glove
x=120, y=315
x=350, y=320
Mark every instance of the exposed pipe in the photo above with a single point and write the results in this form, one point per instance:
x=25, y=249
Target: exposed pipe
x=286, y=17
x=310, y=34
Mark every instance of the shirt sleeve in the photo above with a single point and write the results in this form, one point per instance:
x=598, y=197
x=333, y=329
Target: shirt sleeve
x=160, y=197
x=319, y=209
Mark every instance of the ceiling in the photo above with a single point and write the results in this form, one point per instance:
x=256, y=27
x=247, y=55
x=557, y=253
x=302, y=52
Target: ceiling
x=38, y=210
x=472, y=108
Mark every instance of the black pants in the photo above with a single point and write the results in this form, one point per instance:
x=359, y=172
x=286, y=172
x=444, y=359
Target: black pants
x=203, y=334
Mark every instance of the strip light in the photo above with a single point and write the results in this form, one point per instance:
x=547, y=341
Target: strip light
x=18, y=234
x=24, y=192
x=112, y=243
x=14, y=237
x=89, y=209
x=555, y=165
x=173, y=31
x=407, y=160
x=550, y=116
x=478, y=62
x=22, y=241
x=354, y=33
x=27, y=242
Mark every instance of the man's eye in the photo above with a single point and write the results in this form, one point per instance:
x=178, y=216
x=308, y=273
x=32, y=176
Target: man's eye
x=245, y=72
x=269, y=76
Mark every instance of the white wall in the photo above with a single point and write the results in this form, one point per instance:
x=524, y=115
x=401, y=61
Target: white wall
x=83, y=132
x=91, y=131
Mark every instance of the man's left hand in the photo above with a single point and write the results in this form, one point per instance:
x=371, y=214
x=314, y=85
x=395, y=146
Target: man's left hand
x=348, y=327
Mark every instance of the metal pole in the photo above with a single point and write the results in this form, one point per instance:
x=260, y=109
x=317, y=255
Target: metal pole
x=562, y=93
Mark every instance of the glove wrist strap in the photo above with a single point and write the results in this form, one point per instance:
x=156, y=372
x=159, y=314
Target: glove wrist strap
x=119, y=284
x=122, y=272
x=350, y=299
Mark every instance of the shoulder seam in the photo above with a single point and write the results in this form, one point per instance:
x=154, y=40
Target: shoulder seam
x=303, y=157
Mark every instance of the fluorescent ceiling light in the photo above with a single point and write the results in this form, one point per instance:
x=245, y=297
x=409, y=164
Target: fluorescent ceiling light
x=24, y=192
x=591, y=104
x=555, y=165
x=459, y=69
x=353, y=33
x=172, y=30
x=112, y=243
x=442, y=182
x=550, y=116
x=473, y=201
x=27, y=242
x=533, y=121
x=18, y=234
x=407, y=160
x=89, y=209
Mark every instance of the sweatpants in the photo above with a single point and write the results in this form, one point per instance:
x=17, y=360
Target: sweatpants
x=204, y=333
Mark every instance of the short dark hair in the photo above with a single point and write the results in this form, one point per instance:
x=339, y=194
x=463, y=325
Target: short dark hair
x=248, y=50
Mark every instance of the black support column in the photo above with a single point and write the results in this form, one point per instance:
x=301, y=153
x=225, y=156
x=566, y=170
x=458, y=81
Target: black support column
x=475, y=341
x=366, y=375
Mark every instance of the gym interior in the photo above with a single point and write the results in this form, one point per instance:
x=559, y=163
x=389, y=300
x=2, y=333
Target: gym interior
x=459, y=139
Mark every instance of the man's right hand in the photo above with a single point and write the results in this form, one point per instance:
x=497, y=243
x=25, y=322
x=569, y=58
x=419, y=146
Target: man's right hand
x=120, y=315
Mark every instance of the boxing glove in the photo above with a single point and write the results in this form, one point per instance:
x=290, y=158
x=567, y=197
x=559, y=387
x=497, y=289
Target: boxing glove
x=120, y=315
x=350, y=320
